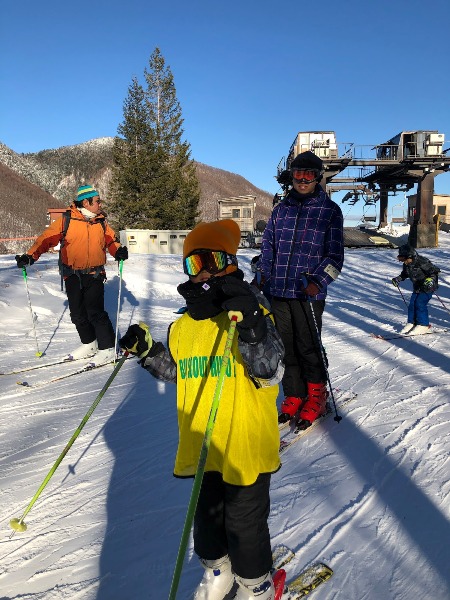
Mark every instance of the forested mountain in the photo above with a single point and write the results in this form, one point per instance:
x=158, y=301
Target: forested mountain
x=23, y=209
x=56, y=174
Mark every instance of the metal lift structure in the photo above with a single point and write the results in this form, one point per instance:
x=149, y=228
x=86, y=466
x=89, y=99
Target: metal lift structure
x=372, y=173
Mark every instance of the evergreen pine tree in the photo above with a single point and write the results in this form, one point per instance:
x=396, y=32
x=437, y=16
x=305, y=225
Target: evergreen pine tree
x=154, y=182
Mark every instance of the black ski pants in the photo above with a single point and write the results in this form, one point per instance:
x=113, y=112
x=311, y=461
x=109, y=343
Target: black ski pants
x=86, y=296
x=302, y=359
x=232, y=519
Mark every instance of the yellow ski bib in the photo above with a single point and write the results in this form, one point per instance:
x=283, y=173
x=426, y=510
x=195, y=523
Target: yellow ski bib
x=245, y=439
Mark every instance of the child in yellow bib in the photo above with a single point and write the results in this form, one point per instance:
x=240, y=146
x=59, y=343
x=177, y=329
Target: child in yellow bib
x=231, y=534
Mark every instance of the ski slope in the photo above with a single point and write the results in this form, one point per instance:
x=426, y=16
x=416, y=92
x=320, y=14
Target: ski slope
x=369, y=496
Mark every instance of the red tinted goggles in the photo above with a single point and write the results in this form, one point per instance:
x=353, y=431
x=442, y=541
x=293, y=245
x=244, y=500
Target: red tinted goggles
x=305, y=175
x=212, y=261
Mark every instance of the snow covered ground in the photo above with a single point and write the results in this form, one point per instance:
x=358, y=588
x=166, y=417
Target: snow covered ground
x=370, y=496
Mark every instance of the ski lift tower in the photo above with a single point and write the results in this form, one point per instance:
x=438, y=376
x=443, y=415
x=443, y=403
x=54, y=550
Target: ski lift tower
x=409, y=158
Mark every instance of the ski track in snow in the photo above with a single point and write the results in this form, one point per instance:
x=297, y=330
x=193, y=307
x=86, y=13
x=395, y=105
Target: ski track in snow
x=370, y=496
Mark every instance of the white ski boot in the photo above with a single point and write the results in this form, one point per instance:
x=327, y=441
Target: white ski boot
x=261, y=588
x=419, y=329
x=107, y=355
x=84, y=351
x=217, y=580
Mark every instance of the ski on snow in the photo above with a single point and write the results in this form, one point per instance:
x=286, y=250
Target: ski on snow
x=342, y=398
x=396, y=336
x=85, y=369
x=302, y=584
x=62, y=361
x=281, y=556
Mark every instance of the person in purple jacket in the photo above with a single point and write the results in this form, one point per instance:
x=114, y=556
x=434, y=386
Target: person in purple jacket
x=302, y=253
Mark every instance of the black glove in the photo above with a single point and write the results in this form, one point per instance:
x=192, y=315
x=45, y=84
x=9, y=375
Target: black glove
x=137, y=340
x=251, y=324
x=121, y=253
x=396, y=280
x=24, y=260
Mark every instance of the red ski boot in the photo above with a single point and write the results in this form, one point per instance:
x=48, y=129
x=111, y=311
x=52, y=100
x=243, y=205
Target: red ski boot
x=290, y=405
x=315, y=405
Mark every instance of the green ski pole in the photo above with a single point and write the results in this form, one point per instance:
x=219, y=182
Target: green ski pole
x=24, y=273
x=118, y=306
x=202, y=460
x=19, y=524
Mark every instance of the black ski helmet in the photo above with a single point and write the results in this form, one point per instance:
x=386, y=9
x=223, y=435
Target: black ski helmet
x=407, y=251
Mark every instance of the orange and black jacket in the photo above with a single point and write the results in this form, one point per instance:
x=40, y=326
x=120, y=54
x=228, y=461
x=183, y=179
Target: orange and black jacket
x=85, y=242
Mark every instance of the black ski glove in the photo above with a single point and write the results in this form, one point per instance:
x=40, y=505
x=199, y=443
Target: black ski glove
x=252, y=327
x=24, y=260
x=121, y=253
x=137, y=340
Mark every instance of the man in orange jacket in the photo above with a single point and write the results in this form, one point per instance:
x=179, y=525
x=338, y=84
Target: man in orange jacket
x=83, y=257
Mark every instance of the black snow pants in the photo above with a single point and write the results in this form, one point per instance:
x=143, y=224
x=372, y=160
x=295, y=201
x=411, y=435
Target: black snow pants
x=232, y=519
x=86, y=295
x=303, y=359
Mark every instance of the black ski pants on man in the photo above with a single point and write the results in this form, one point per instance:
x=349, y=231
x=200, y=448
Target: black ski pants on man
x=232, y=519
x=86, y=296
x=303, y=358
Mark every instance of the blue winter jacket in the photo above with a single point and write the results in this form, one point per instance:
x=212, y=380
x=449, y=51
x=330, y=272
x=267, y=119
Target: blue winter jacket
x=303, y=237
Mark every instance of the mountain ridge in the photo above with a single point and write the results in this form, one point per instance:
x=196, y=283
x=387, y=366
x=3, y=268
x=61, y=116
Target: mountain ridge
x=57, y=173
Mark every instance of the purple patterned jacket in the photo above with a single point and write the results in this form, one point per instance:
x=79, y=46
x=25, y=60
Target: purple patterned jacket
x=303, y=238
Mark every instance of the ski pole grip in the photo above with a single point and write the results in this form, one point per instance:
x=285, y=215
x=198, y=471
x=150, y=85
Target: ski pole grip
x=235, y=315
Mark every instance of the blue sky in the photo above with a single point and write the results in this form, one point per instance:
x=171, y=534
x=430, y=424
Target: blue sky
x=249, y=75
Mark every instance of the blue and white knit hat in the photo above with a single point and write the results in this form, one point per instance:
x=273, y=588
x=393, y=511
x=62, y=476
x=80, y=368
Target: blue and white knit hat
x=86, y=191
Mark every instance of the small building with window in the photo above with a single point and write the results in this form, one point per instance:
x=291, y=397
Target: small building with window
x=441, y=207
x=147, y=241
x=241, y=209
x=152, y=241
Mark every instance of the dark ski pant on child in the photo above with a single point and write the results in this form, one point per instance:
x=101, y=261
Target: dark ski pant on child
x=86, y=294
x=302, y=359
x=232, y=519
